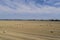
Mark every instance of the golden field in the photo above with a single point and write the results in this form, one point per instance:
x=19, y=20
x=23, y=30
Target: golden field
x=29, y=30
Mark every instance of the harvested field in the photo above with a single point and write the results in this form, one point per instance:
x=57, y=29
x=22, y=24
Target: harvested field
x=29, y=30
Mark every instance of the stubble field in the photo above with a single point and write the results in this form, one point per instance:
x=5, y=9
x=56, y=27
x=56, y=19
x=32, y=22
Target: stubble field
x=29, y=30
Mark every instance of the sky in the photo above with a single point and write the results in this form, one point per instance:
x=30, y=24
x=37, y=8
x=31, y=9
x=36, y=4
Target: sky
x=29, y=9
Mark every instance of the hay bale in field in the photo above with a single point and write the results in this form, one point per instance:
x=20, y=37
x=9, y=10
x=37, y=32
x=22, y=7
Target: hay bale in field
x=4, y=31
x=51, y=32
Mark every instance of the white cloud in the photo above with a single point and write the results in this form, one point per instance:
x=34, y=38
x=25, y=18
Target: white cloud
x=28, y=8
x=57, y=3
x=5, y=9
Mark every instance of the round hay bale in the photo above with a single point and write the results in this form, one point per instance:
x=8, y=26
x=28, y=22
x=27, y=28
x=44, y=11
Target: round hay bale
x=51, y=32
x=4, y=31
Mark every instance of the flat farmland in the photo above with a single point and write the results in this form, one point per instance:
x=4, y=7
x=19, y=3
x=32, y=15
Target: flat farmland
x=29, y=30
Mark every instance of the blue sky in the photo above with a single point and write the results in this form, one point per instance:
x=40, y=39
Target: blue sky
x=29, y=9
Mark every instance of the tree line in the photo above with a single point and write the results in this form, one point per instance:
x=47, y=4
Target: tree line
x=29, y=20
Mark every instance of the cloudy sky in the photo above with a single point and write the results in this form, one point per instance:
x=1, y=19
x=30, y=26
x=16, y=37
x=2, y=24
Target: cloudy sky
x=29, y=9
